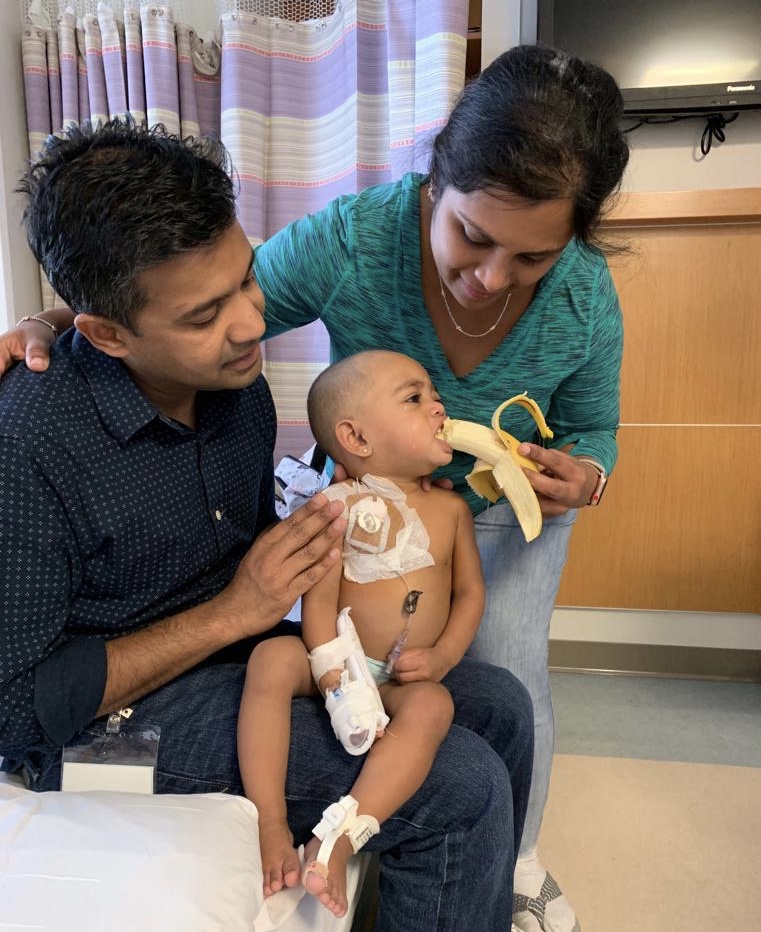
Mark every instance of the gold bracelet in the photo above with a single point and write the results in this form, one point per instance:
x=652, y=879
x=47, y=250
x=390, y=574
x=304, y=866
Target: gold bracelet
x=41, y=320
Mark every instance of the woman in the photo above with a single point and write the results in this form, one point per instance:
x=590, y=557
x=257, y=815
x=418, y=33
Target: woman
x=485, y=271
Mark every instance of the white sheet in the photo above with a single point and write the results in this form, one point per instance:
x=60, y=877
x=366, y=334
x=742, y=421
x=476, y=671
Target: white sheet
x=89, y=862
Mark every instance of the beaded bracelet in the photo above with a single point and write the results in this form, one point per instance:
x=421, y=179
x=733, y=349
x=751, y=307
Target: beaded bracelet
x=41, y=320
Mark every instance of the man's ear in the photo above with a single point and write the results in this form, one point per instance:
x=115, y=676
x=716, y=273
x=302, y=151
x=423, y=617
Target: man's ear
x=104, y=334
x=350, y=437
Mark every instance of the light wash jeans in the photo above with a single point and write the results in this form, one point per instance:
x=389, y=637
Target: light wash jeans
x=521, y=586
x=447, y=856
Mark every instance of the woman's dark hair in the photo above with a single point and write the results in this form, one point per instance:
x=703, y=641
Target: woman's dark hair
x=540, y=124
x=104, y=204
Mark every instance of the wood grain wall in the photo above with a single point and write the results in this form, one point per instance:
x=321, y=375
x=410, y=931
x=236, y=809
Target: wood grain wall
x=680, y=525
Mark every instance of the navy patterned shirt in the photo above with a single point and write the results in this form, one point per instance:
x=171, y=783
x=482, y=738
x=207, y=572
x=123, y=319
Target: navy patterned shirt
x=112, y=516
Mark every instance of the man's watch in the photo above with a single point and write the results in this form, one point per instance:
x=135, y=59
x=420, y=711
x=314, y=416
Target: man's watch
x=602, y=479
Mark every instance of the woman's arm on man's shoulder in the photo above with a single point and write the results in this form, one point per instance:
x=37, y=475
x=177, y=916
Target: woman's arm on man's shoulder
x=30, y=340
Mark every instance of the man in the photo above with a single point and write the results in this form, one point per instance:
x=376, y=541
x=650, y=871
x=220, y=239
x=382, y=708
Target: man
x=140, y=554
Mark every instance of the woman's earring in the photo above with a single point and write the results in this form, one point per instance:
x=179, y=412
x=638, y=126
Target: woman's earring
x=366, y=450
x=430, y=191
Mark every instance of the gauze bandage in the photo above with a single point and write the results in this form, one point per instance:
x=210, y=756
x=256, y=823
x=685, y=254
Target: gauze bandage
x=355, y=706
x=373, y=507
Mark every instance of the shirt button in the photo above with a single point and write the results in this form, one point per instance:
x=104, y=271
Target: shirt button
x=218, y=514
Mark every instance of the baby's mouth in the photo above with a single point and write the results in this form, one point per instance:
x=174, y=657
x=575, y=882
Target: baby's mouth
x=444, y=431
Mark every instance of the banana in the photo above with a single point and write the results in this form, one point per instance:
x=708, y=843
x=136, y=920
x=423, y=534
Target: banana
x=498, y=469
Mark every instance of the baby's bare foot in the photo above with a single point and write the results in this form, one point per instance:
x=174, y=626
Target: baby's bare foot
x=327, y=882
x=280, y=862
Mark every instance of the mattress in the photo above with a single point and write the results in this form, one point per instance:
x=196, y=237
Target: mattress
x=87, y=862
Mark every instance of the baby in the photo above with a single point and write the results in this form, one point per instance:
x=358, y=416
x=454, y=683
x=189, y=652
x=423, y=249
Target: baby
x=411, y=576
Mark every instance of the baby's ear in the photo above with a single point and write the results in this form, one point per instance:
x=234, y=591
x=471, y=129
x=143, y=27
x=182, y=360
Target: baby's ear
x=104, y=334
x=350, y=438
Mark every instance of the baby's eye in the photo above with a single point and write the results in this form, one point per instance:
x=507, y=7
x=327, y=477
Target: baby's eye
x=413, y=399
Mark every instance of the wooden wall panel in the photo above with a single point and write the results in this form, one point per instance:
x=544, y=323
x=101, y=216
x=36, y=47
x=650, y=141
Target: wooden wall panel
x=691, y=298
x=679, y=528
x=656, y=208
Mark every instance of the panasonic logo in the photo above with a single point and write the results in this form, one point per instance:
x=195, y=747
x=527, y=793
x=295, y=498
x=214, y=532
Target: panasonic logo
x=740, y=87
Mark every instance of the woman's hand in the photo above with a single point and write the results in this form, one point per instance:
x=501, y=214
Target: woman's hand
x=30, y=341
x=563, y=481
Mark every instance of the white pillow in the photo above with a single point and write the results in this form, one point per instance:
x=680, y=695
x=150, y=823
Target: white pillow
x=128, y=862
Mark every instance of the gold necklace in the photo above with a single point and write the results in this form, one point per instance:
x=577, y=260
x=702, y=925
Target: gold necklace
x=459, y=328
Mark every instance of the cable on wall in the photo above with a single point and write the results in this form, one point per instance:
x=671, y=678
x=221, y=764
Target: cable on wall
x=712, y=133
x=714, y=130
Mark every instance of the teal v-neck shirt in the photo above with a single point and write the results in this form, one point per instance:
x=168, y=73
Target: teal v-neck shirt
x=356, y=265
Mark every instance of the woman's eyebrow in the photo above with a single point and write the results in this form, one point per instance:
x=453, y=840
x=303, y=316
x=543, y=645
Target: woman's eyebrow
x=476, y=228
x=488, y=238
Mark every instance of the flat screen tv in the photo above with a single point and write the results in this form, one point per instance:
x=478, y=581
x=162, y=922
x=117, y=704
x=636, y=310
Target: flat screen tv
x=677, y=57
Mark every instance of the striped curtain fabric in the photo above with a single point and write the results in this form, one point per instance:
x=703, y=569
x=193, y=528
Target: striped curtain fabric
x=310, y=106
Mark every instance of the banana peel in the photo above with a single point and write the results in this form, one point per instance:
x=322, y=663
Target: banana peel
x=498, y=470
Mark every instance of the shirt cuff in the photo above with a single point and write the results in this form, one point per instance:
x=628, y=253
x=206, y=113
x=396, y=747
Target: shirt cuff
x=68, y=688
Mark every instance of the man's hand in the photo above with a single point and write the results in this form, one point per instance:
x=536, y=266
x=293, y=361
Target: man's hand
x=562, y=483
x=282, y=564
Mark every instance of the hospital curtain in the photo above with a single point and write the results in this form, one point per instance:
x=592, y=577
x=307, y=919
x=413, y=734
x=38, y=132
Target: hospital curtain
x=313, y=98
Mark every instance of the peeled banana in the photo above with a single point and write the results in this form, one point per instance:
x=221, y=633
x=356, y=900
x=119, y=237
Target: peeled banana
x=498, y=469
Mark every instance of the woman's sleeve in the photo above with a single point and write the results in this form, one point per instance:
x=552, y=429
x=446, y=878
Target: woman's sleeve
x=300, y=267
x=585, y=409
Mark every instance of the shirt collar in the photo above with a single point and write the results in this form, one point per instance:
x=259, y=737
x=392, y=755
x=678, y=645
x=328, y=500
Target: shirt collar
x=123, y=407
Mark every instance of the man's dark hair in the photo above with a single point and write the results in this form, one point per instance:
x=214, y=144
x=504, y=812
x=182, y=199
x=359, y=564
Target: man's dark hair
x=106, y=203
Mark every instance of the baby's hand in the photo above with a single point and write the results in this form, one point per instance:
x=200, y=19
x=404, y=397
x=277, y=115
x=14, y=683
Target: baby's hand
x=330, y=681
x=421, y=663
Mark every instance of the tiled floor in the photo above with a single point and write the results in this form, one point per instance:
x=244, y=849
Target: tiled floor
x=654, y=817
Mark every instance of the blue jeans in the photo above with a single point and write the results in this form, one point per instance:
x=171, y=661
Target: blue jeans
x=521, y=587
x=447, y=856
